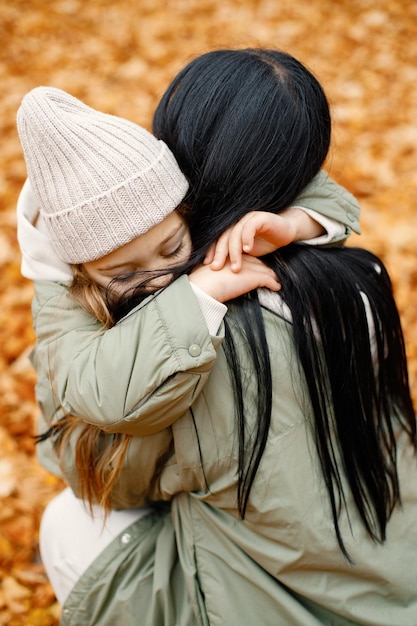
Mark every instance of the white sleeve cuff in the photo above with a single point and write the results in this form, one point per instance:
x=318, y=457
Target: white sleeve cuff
x=334, y=229
x=213, y=311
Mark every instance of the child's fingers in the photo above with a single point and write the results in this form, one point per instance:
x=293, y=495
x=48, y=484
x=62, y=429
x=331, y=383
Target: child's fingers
x=249, y=231
x=225, y=284
x=220, y=251
x=271, y=283
x=235, y=247
x=209, y=255
x=262, y=275
x=242, y=238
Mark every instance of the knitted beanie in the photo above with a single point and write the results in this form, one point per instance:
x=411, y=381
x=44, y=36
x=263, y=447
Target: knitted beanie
x=100, y=180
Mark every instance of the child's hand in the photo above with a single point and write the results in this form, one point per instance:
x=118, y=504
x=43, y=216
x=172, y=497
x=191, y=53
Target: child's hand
x=225, y=284
x=259, y=233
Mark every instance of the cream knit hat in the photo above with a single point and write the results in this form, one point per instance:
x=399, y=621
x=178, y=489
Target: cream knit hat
x=100, y=180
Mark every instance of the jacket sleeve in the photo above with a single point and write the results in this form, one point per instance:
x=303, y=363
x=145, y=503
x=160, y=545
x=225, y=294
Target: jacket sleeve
x=323, y=195
x=135, y=485
x=137, y=377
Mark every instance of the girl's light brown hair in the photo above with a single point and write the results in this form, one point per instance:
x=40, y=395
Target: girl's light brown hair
x=98, y=456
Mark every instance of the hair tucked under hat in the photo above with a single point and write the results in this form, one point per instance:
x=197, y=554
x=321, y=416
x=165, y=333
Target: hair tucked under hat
x=100, y=180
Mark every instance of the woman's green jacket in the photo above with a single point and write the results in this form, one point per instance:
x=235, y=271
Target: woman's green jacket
x=282, y=564
x=161, y=377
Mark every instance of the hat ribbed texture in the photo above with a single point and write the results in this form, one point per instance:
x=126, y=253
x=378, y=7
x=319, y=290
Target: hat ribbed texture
x=100, y=180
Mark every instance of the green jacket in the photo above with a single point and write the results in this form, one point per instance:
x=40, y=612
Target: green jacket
x=165, y=380
x=282, y=565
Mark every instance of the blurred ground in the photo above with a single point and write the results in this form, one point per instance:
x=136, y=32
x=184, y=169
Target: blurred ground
x=119, y=57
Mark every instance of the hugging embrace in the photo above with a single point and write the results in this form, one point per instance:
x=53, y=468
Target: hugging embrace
x=222, y=383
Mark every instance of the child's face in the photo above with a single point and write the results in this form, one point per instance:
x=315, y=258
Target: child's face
x=166, y=244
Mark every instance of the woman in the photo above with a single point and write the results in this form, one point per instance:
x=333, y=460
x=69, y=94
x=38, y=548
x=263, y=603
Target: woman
x=283, y=490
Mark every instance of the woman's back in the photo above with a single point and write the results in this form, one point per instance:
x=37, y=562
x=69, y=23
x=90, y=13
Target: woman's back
x=288, y=531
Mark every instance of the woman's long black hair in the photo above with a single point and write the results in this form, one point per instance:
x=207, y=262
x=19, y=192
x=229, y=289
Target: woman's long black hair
x=250, y=128
x=349, y=342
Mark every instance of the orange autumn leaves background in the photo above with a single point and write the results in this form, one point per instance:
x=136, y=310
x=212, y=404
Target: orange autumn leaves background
x=119, y=57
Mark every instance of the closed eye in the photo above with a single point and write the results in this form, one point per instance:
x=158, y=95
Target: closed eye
x=174, y=253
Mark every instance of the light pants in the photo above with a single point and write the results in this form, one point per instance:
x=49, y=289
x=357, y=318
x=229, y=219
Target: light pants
x=71, y=539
